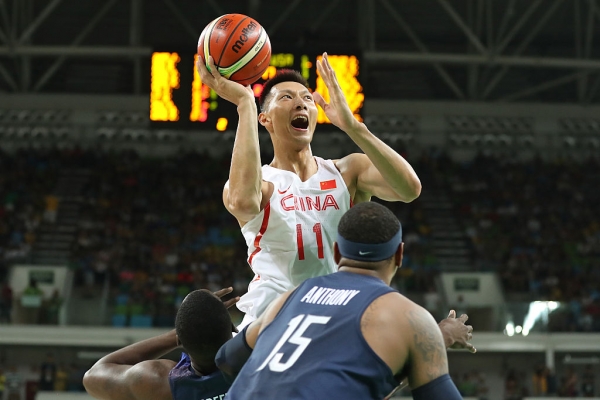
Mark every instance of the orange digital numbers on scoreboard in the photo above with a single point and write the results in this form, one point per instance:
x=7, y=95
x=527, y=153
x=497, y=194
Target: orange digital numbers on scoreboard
x=346, y=70
x=200, y=95
x=164, y=78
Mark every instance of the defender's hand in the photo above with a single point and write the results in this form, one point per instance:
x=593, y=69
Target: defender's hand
x=223, y=292
x=456, y=334
x=337, y=110
x=226, y=89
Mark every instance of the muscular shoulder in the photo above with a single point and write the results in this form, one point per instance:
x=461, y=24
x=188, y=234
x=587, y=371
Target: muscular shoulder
x=352, y=164
x=150, y=379
x=350, y=168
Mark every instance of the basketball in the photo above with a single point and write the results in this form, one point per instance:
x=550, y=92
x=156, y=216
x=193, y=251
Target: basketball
x=239, y=46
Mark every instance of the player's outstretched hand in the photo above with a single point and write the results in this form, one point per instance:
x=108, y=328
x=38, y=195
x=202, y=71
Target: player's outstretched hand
x=226, y=89
x=456, y=334
x=225, y=292
x=337, y=110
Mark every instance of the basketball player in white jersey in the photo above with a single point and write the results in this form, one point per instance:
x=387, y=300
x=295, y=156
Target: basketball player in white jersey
x=289, y=210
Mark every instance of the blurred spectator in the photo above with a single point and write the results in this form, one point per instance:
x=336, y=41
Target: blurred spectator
x=32, y=382
x=569, y=384
x=468, y=385
x=51, y=209
x=2, y=383
x=51, y=308
x=75, y=380
x=540, y=381
x=6, y=303
x=551, y=382
x=588, y=382
x=513, y=389
x=47, y=374
x=61, y=380
x=14, y=383
x=31, y=302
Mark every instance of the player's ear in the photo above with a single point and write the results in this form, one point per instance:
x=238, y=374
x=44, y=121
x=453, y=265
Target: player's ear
x=264, y=120
x=336, y=253
x=399, y=255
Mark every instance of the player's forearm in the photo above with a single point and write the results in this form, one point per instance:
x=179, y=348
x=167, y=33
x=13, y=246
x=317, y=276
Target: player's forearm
x=394, y=169
x=245, y=173
x=148, y=349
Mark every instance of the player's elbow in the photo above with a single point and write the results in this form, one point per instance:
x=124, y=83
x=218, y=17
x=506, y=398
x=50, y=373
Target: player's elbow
x=90, y=380
x=414, y=190
x=243, y=207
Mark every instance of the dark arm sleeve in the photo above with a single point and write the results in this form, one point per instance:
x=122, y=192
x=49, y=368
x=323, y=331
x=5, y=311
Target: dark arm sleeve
x=232, y=356
x=441, y=388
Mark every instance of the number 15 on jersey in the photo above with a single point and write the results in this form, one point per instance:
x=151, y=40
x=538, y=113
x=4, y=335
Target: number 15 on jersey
x=293, y=334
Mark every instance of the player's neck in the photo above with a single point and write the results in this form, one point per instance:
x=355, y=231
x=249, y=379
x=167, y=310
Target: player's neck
x=302, y=162
x=363, y=271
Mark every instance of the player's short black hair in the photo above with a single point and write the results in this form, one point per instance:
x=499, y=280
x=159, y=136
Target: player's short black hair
x=202, y=324
x=368, y=223
x=284, y=75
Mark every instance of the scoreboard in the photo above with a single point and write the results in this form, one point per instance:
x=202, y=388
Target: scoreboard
x=179, y=99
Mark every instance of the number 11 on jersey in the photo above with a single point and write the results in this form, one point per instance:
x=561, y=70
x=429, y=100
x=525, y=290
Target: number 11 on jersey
x=317, y=230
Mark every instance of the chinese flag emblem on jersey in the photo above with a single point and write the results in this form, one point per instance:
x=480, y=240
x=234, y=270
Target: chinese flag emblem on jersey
x=326, y=185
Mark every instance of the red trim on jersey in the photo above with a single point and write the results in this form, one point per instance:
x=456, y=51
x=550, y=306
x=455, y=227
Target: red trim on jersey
x=261, y=232
x=351, y=202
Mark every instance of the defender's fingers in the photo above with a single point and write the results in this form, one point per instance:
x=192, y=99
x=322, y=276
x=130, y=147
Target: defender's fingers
x=231, y=302
x=469, y=328
x=464, y=318
x=452, y=314
x=471, y=348
x=223, y=292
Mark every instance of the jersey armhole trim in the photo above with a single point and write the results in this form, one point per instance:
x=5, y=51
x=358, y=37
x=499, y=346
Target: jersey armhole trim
x=362, y=337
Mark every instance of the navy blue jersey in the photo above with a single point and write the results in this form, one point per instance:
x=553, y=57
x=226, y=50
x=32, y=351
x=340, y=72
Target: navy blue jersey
x=315, y=349
x=187, y=385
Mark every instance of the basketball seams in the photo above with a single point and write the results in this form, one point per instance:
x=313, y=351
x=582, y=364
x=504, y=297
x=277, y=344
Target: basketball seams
x=246, y=58
x=228, y=39
x=206, y=43
x=253, y=76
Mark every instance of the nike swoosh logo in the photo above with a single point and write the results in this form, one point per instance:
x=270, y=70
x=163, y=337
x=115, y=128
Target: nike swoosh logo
x=283, y=192
x=364, y=253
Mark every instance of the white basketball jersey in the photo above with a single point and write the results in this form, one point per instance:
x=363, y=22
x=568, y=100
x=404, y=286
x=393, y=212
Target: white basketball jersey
x=292, y=238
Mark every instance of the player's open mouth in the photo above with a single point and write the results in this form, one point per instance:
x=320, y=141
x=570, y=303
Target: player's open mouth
x=300, y=122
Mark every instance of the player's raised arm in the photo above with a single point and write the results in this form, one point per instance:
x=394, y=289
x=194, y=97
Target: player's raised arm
x=243, y=194
x=381, y=171
x=132, y=373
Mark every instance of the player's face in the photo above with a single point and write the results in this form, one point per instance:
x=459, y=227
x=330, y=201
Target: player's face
x=292, y=111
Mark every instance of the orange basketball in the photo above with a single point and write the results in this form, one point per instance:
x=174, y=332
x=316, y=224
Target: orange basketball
x=239, y=46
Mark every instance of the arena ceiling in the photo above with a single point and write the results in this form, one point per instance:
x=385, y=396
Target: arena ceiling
x=471, y=50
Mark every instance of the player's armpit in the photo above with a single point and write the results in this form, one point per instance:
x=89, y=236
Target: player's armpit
x=428, y=358
x=148, y=379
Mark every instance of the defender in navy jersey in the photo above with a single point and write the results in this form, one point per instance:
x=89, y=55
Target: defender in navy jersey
x=347, y=335
x=202, y=325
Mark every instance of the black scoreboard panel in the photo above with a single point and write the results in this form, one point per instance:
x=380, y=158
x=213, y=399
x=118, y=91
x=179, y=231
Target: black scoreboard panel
x=178, y=99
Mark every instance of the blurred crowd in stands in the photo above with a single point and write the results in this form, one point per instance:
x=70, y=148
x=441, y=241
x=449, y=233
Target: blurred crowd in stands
x=22, y=382
x=27, y=180
x=537, y=224
x=154, y=229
